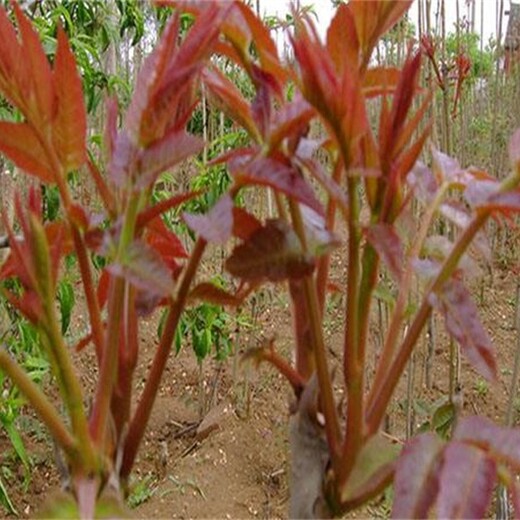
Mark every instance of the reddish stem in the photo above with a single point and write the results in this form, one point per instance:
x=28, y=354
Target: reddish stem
x=144, y=408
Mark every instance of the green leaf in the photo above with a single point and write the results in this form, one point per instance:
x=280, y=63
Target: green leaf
x=16, y=441
x=6, y=500
x=443, y=418
x=373, y=470
x=66, y=302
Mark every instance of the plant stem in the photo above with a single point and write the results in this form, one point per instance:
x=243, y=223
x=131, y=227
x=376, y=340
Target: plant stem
x=404, y=290
x=80, y=248
x=319, y=351
x=322, y=271
x=353, y=371
x=69, y=382
x=43, y=407
x=144, y=407
x=383, y=389
x=96, y=324
x=109, y=362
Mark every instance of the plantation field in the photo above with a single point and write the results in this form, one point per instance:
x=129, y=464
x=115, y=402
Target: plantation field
x=235, y=465
x=252, y=268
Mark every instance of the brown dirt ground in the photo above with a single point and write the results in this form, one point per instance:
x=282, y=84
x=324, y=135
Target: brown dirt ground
x=239, y=469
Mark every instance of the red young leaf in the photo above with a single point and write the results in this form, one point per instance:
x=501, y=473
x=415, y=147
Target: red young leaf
x=467, y=481
x=388, y=246
x=165, y=242
x=260, y=36
x=342, y=42
x=217, y=225
x=158, y=209
x=144, y=269
x=502, y=443
x=318, y=76
x=275, y=172
x=170, y=82
x=273, y=252
x=290, y=121
x=21, y=145
x=35, y=62
x=70, y=121
x=416, y=480
x=381, y=81
x=229, y=99
x=173, y=148
x=209, y=292
x=462, y=322
x=395, y=122
x=373, y=19
x=244, y=224
x=15, y=82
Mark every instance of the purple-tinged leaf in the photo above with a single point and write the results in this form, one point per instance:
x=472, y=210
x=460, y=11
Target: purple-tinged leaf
x=438, y=247
x=173, y=148
x=455, y=212
x=416, y=481
x=277, y=173
x=123, y=164
x=261, y=104
x=423, y=182
x=320, y=240
x=444, y=167
x=216, y=226
x=144, y=269
x=427, y=269
x=502, y=443
x=467, y=481
x=478, y=193
x=463, y=324
x=273, y=252
x=372, y=471
x=506, y=202
x=384, y=239
x=334, y=191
